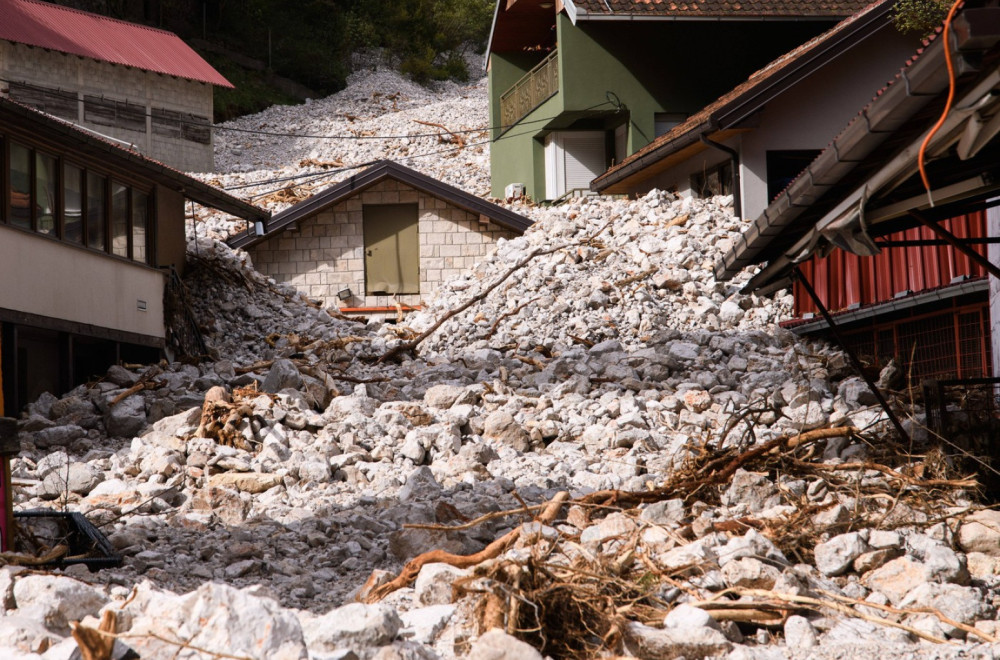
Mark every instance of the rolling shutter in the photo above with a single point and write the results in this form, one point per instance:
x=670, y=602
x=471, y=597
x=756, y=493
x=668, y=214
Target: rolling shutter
x=585, y=159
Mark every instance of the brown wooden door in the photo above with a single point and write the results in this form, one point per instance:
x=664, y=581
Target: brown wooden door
x=392, y=249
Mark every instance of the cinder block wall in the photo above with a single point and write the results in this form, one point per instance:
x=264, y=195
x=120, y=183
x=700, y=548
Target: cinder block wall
x=88, y=77
x=325, y=253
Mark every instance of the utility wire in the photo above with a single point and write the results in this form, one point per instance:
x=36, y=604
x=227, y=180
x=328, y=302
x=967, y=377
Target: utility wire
x=310, y=177
x=216, y=127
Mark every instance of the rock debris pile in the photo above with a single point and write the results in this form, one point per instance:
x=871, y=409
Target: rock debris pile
x=609, y=454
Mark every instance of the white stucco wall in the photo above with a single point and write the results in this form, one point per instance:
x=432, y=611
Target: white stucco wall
x=808, y=116
x=815, y=111
x=43, y=276
x=89, y=77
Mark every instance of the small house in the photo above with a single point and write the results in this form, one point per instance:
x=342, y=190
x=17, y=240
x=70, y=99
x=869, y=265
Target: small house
x=576, y=86
x=893, y=269
x=91, y=235
x=379, y=240
x=754, y=139
x=137, y=85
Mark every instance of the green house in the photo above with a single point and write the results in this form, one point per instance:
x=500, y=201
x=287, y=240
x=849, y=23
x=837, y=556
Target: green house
x=576, y=86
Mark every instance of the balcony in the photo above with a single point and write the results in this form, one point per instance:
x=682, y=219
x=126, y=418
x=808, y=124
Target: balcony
x=533, y=89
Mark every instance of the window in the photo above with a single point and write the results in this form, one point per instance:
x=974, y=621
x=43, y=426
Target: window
x=392, y=249
x=140, y=215
x=717, y=180
x=67, y=201
x=784, y=166
x=97, y=206
x=20, y=186
x=46, y=202
x=73, y=204
x=119, y=219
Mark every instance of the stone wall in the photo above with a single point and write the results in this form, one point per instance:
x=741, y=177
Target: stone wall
x=141, y=94
x=325, y=252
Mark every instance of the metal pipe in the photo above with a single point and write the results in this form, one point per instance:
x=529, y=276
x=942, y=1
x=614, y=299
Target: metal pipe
x=956, y=243
x=734, y=157
x=797, y=275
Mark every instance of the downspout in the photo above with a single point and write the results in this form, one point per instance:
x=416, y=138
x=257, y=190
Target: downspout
x=734, y=156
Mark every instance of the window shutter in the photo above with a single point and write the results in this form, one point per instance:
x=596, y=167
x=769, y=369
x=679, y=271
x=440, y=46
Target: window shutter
x=585, y=159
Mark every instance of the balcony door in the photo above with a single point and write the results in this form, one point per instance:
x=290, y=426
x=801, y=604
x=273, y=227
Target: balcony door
x=572, y=160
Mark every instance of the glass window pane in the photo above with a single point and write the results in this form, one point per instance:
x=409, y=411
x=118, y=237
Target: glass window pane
x=140, y=213
x=97, y=204
x=46, y=201
x=119, y=219
x=73, y=204
x=20, y=186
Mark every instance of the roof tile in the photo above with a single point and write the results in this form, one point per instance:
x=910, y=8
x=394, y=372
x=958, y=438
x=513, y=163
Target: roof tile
x=831, y=8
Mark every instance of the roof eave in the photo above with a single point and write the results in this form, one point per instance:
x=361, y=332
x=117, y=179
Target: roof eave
x=371, y=176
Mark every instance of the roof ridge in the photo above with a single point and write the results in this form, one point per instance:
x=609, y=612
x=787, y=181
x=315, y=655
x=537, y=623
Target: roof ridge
x=101, y=17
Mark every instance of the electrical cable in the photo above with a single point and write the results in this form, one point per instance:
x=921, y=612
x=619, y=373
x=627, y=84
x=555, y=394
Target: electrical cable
x=314, y=176
x=216, y=127
x=922, y=154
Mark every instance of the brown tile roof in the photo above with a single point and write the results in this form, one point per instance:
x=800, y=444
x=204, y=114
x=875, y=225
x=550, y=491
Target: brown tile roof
x=707, y=120
x=731, y=8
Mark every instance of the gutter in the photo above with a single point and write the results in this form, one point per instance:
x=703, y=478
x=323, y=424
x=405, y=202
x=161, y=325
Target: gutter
x=917, y=86
x=734, y=157
x=740, y=108
x=584, y=16
x=681, y=142
x=844, y=225
x=977, y=285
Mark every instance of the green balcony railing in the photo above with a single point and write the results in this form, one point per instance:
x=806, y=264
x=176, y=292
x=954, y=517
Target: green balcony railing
x=533, y=89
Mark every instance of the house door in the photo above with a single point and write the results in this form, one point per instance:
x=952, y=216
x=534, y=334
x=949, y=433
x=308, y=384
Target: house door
x=572, y=160
x=392, y=249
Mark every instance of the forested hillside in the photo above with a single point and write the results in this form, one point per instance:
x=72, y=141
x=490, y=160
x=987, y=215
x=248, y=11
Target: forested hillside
x=310, y=42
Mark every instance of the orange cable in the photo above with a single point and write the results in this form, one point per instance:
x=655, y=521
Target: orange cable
x=921, y=156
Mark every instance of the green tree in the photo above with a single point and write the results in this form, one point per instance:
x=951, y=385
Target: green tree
x=920, y=16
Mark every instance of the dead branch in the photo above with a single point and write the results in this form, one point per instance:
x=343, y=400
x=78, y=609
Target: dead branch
x=93, y=644
x=455, y=137
x=18, y=559
x=496, y=324
x=493, y=550
x=407, y=346
x=715, y=472
x=635, y=278
x=916, y=610
x=868, y=465
x=819, y=603
x=145, y=382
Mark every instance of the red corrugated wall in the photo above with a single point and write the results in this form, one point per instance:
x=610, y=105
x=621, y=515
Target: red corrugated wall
x=843, y=279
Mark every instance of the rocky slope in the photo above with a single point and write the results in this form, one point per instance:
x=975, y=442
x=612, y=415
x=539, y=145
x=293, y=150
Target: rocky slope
x=710, y=500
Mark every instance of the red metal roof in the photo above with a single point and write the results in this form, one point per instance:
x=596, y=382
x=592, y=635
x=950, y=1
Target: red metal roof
x=728, y=8
x=76, y=32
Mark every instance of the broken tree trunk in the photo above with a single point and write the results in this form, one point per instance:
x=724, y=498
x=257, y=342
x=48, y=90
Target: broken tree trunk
x=409, y=573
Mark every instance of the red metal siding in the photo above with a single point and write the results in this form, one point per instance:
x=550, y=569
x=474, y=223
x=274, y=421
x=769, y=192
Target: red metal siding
x=81, y=33
x=843, y=279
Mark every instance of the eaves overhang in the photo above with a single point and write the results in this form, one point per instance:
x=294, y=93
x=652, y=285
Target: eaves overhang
x=825, y=206
x=735, y=108
x=375, y=174
x=15, y=115
x=979, y=285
